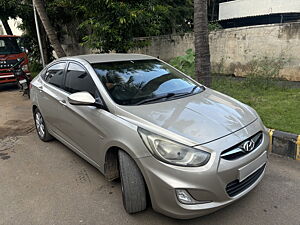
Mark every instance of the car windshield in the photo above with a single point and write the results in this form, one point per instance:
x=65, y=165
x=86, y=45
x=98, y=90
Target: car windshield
x=9, y=45
x=143, y=81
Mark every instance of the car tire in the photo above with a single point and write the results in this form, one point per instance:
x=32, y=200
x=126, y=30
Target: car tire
x=132, y=184
x=40, y=126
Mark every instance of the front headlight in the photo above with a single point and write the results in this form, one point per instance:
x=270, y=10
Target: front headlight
x=172, y=152
x=25, y=67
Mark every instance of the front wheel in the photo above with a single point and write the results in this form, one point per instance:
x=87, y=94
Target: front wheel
x=132, y=184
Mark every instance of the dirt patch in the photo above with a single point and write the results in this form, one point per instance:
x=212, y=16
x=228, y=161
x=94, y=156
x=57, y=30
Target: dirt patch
x=15, y=119
x=6, y=147
x=16, y=128
x=7, y=143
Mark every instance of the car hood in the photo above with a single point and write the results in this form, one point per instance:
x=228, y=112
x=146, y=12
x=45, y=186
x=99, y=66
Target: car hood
x=202, y=117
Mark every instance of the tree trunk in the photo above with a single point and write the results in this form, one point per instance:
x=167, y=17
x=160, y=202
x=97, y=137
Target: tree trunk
x=202, y=58
x=7, y=27
x=45, y=42
x=49, y=28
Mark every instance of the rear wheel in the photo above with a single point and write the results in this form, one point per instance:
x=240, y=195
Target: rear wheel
x=40, y=126
x=132, y=184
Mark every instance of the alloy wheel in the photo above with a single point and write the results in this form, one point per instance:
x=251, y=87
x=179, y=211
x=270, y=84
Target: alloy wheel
x=40, y=126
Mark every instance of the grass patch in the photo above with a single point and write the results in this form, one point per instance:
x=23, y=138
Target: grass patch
x=277, y=105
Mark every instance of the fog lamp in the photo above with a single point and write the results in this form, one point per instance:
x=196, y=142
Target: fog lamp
x=184, y=197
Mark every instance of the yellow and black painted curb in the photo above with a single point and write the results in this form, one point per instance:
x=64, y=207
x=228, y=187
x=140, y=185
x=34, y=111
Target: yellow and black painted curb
x=285, y=144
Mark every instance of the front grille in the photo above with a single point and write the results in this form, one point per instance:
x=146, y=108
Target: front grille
x=7, y=64
x=5, y=71
x=235, y=187
x=237, y=151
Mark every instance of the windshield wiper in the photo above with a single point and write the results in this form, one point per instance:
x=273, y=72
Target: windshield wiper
x=168, y=95
x=193, y=89
x=186, y=93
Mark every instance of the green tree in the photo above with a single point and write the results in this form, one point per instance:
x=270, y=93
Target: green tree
x=113, y=25
x=8, y=8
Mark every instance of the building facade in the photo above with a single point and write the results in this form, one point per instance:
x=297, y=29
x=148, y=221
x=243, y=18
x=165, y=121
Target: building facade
x=240, y=13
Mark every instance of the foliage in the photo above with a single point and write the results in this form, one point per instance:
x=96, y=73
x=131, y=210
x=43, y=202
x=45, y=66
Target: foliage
x=35, y=66
x=212, y=26
x=112, y=25
x=179, y=18
x=185, y=63
x=9, y=8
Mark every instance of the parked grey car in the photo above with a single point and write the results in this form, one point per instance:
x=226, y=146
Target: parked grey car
x=185, y=148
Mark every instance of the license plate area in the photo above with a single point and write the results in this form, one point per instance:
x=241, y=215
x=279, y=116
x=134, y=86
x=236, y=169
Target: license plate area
x=253, y=166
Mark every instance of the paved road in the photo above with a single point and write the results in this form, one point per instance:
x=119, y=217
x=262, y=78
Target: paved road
x=47, y=184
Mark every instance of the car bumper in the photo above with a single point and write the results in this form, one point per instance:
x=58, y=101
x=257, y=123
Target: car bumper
x=205, y=184
x=7, y=78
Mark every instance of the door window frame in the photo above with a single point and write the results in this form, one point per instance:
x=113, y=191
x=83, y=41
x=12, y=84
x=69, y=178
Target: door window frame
x=64, y=74
x=84, y=68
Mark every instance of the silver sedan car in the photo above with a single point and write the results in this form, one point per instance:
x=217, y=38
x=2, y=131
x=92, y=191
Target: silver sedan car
x=175, y=144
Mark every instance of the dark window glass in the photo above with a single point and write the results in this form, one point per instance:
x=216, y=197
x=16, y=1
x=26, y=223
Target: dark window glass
x=143, y=81
x=77, y=79
x=9, y=45
x=55, y=74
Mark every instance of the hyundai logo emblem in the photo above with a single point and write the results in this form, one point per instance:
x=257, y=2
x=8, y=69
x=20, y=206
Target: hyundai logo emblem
x=248, y=146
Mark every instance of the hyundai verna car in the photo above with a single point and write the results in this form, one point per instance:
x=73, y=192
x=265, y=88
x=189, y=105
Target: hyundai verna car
x=191, y=149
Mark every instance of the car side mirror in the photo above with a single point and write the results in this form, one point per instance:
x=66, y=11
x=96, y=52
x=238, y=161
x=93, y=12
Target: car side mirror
x=81, y=98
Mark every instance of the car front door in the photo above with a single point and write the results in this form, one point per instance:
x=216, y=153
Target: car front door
x=82, y=124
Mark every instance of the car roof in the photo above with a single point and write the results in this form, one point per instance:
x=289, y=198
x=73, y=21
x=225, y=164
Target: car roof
x=111, y=57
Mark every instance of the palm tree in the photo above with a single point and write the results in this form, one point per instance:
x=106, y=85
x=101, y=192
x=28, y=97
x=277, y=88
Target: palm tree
x=38, y=4
x=202, y=57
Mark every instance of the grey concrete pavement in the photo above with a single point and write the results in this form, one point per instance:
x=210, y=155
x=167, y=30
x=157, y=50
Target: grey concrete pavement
x=46, y=184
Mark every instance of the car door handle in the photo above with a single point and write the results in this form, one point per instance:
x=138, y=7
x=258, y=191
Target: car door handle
x=63, y=102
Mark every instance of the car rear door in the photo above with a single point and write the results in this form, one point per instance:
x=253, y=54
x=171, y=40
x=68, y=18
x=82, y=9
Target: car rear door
x=51, y=95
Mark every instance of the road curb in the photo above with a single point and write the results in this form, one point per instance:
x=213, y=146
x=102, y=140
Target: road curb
x=285, y=144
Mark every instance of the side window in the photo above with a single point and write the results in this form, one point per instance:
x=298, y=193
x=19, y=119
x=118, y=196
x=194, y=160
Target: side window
x=77, y=79
x=43, y=73
x=55, y=74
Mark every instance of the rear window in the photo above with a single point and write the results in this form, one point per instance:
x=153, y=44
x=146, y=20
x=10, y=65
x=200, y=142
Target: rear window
x=9, y=45
x=55, y=74
x=132, y=82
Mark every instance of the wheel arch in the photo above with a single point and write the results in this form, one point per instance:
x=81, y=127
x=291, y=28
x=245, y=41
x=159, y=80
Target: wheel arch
x=34, y=107
x=111, y=167
x=111, y=163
